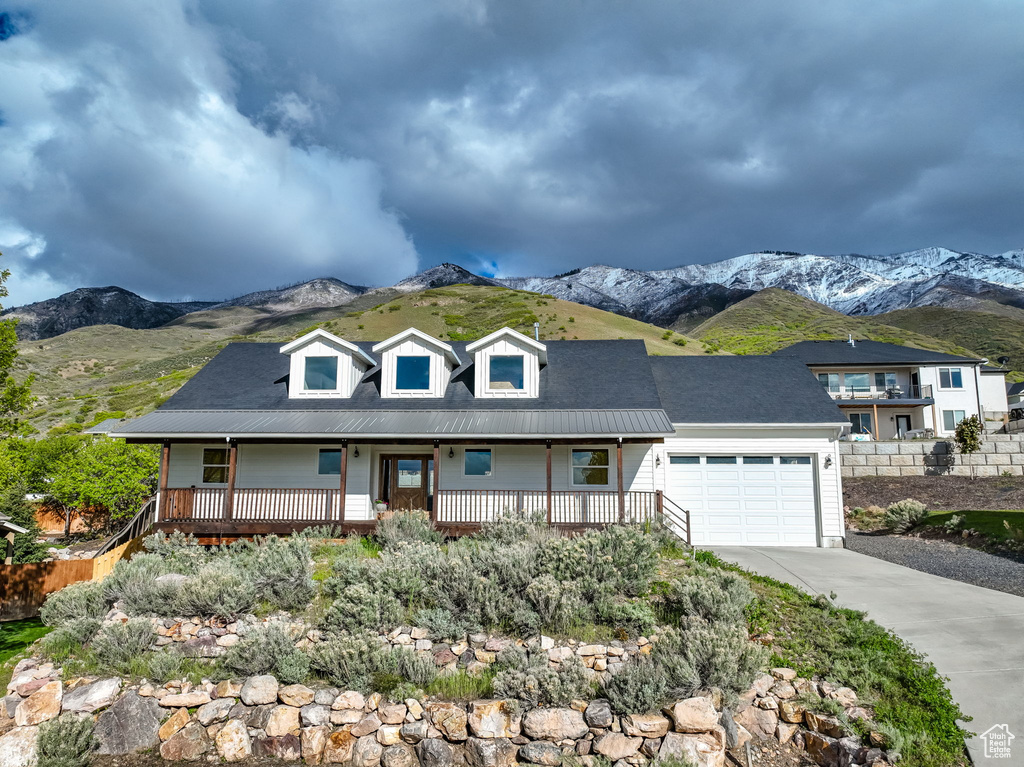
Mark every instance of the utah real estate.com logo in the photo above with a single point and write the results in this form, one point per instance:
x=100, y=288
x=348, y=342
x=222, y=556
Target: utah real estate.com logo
x=997, y=741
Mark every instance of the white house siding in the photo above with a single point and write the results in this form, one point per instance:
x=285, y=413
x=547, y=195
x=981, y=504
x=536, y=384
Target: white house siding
x=350, y=371
x=440, y=370
x=816, y=442
x=993, y=395
x=965, y=398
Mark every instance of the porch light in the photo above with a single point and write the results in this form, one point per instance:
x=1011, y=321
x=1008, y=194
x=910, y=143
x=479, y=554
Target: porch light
x=451, y=452
x=828, y=461
x=657, y=461
x=355, y=452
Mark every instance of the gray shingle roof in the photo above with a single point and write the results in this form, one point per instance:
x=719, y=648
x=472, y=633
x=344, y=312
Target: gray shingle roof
x=864, y=353
x=742, y=389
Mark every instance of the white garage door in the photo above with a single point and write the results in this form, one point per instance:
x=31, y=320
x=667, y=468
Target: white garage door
x=746, y=500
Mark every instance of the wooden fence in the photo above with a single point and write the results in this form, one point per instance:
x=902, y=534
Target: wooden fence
x=23, y=588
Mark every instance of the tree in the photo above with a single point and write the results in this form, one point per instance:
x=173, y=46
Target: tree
x=32, y=464
x=15, y=398
x=968, y=437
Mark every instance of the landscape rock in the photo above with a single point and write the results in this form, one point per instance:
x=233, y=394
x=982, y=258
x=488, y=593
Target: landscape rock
x=131, y=724
x=92, y=697
x=286, y=747
x=706, y=749
x=693, y=715
x=175, y=722
x=615, y=745
x=367, y=725
x=186, y=745
x=555, y=724
x=338, y=748
x=313, y=742
x=228, y=689
x=826, y=725
x=392, y=713
x=201, y=647
x=490, y=752
x=493, y=719
x=598, y=713
x=413, y=732
x=398, y=755
x=185, y=699
x=18, y=747
x=315, y=715
x=450, y=719
x=541, y=752
x=759, y=722
x=214, y=711
x=295, y=695
x=434, y=752
x=284, y=720
x=821, y=748
x=41, y=706
x=388, y=734
x=259, y=690
x=646, y=725
x=366, y=752
x=233, y=741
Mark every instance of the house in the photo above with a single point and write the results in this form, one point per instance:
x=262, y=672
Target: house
x=890, y=391
x=269, y=437
x=1015, y=399
x=8, y=530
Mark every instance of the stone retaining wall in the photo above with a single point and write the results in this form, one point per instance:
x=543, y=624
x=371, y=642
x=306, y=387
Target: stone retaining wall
x=1000, y=453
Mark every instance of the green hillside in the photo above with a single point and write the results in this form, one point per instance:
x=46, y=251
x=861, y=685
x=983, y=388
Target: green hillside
x=102, y=371
x=989, y=334
x=773, y=319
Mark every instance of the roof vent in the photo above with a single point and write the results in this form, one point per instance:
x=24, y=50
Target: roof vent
x=851, y=341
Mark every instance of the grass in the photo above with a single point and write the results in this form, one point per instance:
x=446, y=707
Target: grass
x=812, y=636
x=773, y=319
x=462, y=686
x=15, y=637
x=990, y=523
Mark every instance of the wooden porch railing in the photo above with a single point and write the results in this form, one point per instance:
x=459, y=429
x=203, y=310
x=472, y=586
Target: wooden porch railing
x=568, y=507
x=263, y=504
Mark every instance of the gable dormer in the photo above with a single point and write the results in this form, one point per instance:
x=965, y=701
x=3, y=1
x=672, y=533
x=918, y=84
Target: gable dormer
x=324, y=366
x=507, y=365
x=415, y=365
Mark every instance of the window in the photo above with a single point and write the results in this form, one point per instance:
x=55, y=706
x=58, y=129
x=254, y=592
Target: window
x=506, y=372
x=215, y=465
x=795, y=460
x=830, y=381
x=950, y=378
x=590, y=467
x=950, y=418
x=885, y=381
x=721, y=459
x=412, y=373
x=321, y=373
x=861, y=423
x=684, y=459
x=857, y=382
x=747, y=459
x=329, y=463
x=477, y=463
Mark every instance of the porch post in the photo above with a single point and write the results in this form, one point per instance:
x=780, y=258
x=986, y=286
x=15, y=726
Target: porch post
x=874, y=419
x=548, y=452
x=165, y=462
x=342, y=481
x=622, y=490
x=437, y=481
x=229, y=493
x=9, y=553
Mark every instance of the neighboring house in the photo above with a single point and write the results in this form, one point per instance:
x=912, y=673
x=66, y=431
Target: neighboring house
x=1015, y=396
x=888, y=391
x=8, y=530
x=270, y=437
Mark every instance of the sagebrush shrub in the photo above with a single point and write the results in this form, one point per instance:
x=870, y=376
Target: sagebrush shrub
x=79, y=600
x=618, y=559
x=67, y=741
x=441, y=624
x=268, y=649
x=133, y=583
x=164, y=665
x=218, y=589
x=710, y=593
x=68, y=638
x=530, y=678
x=358, y=608
x=350, y=661
x=515, y=526
x=181, y=553
x=638, y=688
x=406, y=527
x=720, y=654
x=905, y=515
x=633, y=616
x=559, y=603
x=414, y=668
x=280, y=570
x=118, y=644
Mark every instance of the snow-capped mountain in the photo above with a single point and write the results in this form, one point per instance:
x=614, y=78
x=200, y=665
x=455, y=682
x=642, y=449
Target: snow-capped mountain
x=323, y=291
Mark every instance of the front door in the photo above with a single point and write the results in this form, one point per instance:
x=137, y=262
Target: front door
x=406, y=482
x=902, y=426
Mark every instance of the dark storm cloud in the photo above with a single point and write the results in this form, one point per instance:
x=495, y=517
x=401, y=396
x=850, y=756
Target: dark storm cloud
x=212, y=147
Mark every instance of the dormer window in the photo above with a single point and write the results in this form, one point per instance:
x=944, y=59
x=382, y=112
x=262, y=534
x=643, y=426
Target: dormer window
x=412, y=373
x=506, y=372
x=321, y=373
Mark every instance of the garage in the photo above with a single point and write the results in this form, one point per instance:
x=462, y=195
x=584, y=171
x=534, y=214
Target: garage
x=746, y=500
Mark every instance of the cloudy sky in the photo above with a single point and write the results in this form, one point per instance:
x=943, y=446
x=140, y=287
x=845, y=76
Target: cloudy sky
x=205, y=148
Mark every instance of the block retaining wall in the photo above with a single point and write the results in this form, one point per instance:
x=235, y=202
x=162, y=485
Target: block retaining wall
x=917, y=458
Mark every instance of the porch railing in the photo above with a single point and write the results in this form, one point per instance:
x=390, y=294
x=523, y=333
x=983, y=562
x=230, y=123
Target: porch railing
x=912, y=391
x=568, y=507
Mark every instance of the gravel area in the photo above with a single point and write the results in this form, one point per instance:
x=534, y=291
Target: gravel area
x=942, y=558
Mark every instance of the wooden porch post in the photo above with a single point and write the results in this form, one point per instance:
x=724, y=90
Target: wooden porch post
x=622, y=490
x=165, y=462
x=548, y=452
x=437, y=481
x=874, y=408
x=343, y=481
x=9, y=553
x=229, y=493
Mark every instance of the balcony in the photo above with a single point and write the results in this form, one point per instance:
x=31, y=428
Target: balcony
x=911, y=393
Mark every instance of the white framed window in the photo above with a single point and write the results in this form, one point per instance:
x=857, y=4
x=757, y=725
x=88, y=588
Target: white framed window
x=590, y=466
x=328, y=462
x=477, y=462
x=215, y=465
x=758, y=459
x=950, y=418
x=686, y=460
x=830, y=381
x=885, y=381
x=857, y=383
x=795, y=460
x=721, y=460
x=412, y=372
x=506, y=371
x=320, y=374
x=951, y=378
x=861, y=423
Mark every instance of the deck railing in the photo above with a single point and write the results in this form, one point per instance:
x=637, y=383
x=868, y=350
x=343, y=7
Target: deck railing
x=452, y=507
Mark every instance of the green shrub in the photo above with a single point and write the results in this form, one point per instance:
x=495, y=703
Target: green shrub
x=218, y=589
x=618, y=559
x=530, y=678
x=710, y=594
x=118, y=644
x=134, y=584
x=559, y=604
x=79, y=600
x=441, y=624
x=955, y=523
x=415, y=668
x=279, y=569
x=905, y=515
x=268, y=649
x=181, y=553
x=633, y=616
x=516, y=525
x=68, y=638
x=350, y=661
x=67, y=741
x=639, y=688
x=164, y=665
x=406, y=527
x=358, y=608
x=719, y=654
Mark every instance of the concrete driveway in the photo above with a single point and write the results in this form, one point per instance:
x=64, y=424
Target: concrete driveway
x=974, y=636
